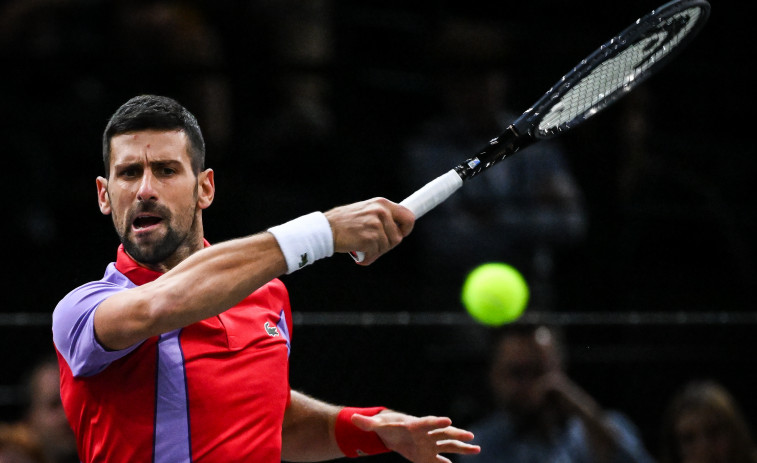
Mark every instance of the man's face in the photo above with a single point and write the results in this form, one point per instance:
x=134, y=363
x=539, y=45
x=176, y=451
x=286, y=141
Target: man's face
x=46, y=415
x=154, y=197
x=703, y=437
x=521, y=361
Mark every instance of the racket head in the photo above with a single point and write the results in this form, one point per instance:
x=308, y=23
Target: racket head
x=615, y=68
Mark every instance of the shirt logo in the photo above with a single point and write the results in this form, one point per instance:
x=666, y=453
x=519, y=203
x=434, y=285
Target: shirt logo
x=272, y=330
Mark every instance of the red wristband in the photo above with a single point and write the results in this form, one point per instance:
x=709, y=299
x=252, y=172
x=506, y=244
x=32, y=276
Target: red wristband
x=353, y=441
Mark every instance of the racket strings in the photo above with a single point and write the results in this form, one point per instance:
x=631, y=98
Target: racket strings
x=619, y=73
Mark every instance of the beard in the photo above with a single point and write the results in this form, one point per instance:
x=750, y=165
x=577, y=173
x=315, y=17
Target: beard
x=157, y=251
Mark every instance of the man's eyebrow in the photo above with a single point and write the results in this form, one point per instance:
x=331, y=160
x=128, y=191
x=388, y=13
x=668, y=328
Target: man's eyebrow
x=139, y=162
x=124, y=164
x=162, y=162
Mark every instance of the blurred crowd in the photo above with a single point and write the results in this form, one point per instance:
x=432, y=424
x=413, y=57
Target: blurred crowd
x=539, y=413
x=41, y=434
x=271, y=126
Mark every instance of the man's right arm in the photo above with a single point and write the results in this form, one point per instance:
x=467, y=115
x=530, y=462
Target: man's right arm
x=216, y=278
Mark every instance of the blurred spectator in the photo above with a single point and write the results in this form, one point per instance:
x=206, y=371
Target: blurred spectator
x=17, y=447
x=704, y=424
x=43, y=432
x=520, y=211
x=541, y=415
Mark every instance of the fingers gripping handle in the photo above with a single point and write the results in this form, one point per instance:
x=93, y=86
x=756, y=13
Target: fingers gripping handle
x=428, y=197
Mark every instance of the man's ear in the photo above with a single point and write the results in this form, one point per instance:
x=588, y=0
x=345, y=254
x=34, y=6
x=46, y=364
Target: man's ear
x=206, y=188
x=103, y=200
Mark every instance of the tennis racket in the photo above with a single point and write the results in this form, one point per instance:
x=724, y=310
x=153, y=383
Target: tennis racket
x=603, y=77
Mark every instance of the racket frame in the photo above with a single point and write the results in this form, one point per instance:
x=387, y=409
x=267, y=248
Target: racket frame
x=524, y=130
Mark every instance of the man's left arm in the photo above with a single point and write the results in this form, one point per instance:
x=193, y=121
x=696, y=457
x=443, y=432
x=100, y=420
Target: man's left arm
x=308, y=431
x=317, y=431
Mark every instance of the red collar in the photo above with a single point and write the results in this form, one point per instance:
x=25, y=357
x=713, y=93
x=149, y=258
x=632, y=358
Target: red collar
x=138, y=274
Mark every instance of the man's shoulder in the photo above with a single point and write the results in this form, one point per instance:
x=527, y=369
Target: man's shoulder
x=111, y=278
x=73, y=324
x=274, y=291
x=91, y=293
x=277, y=286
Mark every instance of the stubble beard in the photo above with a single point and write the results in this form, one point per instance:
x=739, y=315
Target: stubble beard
x=156, y=252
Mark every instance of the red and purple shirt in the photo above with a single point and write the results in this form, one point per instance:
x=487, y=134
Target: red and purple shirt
x=213, y=391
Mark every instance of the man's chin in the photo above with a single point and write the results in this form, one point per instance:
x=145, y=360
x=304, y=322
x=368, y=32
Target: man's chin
x=153, y=247
x=148, y=252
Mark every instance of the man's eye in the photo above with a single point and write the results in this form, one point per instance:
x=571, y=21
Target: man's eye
x=129, y=173
x=167, y=171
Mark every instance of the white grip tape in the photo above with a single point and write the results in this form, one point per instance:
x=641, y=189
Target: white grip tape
x=433, y=193
x=428, y=197
x=304, y=240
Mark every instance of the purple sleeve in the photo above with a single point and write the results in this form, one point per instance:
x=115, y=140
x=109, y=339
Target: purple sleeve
x=74, y=332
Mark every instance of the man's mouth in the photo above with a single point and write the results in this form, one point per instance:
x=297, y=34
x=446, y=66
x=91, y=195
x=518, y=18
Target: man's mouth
x=145, y=221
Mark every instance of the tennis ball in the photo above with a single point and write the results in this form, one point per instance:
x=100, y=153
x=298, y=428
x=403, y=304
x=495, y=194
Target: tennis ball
x=495, y=293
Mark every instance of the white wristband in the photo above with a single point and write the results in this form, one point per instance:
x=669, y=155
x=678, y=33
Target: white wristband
x=304, y=240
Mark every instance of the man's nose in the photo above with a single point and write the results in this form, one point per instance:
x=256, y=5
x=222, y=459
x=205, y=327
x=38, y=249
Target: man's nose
x=147, y=189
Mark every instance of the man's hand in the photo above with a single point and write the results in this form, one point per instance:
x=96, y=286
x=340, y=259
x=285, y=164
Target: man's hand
x=420, y=440
x=374, y=227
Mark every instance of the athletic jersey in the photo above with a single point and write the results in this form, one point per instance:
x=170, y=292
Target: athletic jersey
x=214, y=391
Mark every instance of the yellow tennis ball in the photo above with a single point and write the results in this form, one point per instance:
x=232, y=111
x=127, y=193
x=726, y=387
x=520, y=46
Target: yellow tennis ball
x=495, y=293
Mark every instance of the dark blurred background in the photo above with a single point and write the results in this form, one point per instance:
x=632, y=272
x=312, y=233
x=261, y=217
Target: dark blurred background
x=307, y=105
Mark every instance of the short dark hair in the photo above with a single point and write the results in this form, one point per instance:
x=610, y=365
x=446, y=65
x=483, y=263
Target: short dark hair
x=153, y=112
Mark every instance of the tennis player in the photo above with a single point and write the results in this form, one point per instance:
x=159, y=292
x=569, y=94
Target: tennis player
x=180, y=352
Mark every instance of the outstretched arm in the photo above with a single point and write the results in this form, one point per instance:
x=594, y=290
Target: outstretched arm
x=310, y=433
x=212, y=280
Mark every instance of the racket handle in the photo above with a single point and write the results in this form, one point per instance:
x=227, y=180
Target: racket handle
x=428, y=197
x=433, y=193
